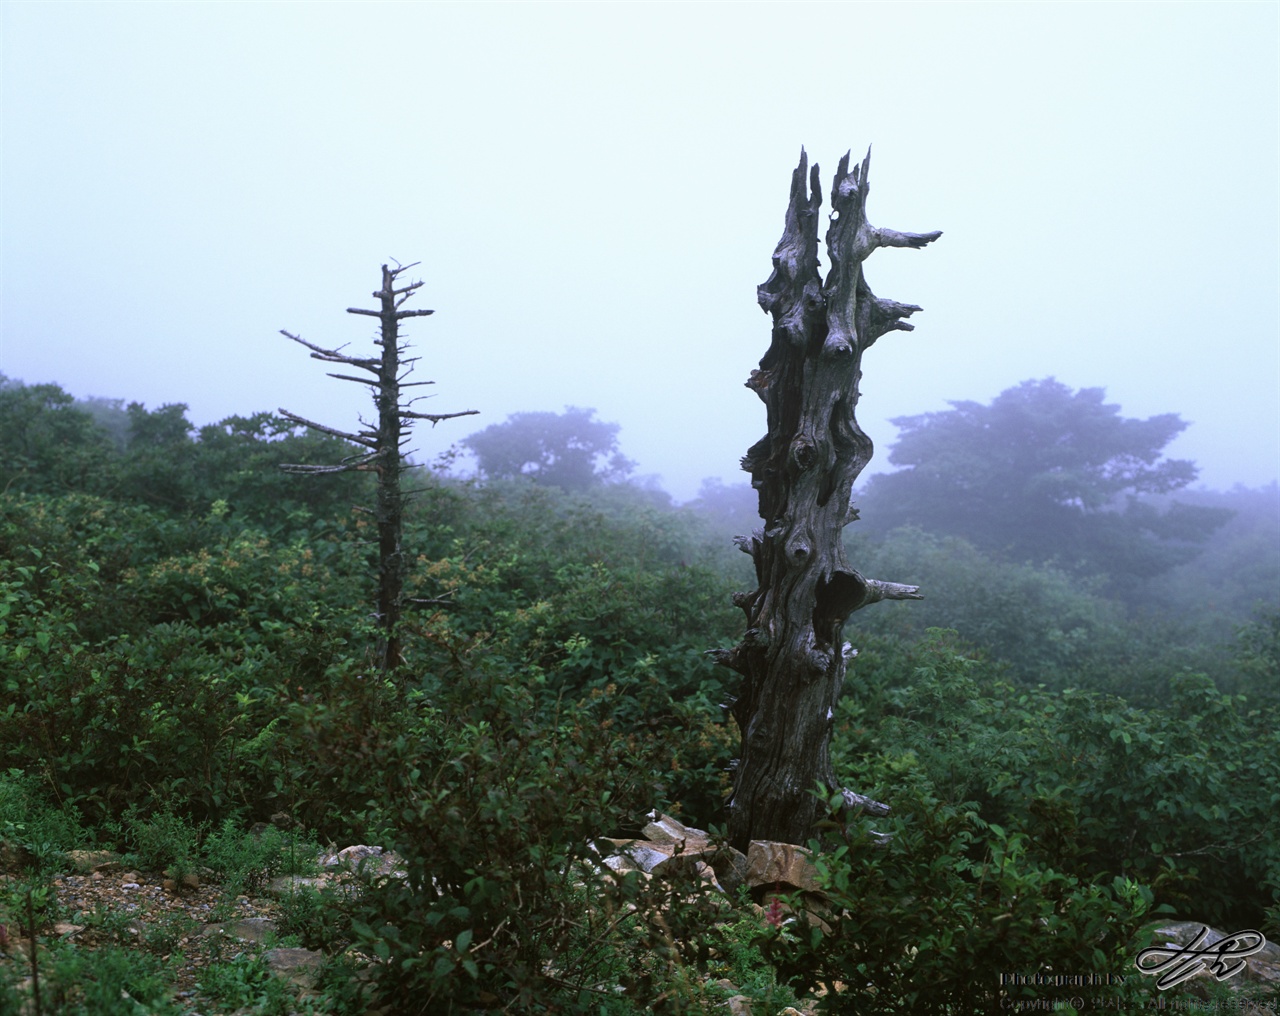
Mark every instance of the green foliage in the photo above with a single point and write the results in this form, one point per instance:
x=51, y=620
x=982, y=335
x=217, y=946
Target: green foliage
x=1182, y=799
x=1047, y=626
x=490, y=792
x=608, y=596
x=317, y=919
x=162, y=841
x=1038, y=475
x=137, y=723
x=50, y=444
x=110, y=416
x=110, y=981
x=182, y=650
x=570, y=450
x=246, y=861
x=30, y=827
x=929, y=923
x=47, y=445
x=246, y=983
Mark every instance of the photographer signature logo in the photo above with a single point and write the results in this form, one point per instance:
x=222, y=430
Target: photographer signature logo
x=1224, y=958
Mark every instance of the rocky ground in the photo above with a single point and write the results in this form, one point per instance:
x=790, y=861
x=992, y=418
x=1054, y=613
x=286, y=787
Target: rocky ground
x=189, y=925
x=195, y=926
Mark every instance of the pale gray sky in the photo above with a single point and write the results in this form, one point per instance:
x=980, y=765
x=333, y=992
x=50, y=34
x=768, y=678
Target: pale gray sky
x=595, y=190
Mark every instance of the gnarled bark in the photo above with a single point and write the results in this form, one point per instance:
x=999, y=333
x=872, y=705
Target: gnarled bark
x=792, y=658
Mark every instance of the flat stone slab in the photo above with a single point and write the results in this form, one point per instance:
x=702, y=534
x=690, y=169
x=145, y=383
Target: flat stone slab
x=631, y=855
x=94, y=860
x=249, y=929
x=665, y=829
x=301, y=966
x=286, y=884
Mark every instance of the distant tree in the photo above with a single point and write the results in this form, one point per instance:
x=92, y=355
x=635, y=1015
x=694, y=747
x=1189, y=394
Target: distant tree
x=726, y=508
x=1047, y=474
x=1238, y=570
x=378, y=449
x=238, y=460
x=47, y=444
x=110, y=415
x=158, y=466
x=570, y=450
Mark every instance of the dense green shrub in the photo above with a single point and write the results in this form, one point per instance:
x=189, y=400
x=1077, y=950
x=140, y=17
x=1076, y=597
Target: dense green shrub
x=491, y=794
x=931, y=922
x=1046, y=626
x=1182, y=799
x=189, y=650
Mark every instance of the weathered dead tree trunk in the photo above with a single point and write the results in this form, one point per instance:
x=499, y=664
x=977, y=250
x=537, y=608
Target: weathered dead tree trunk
x=384, y=443
x=792, y=658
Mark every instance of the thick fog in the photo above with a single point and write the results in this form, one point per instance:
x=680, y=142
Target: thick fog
x=595, y=191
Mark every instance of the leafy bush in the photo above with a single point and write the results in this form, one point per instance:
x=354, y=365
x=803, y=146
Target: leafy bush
x=110, y=981
x=1100, y=789
x=29, y=825
x=246, y=982
x=247, y=861
x=490, y=793
x=929, y=923
x=162, y=841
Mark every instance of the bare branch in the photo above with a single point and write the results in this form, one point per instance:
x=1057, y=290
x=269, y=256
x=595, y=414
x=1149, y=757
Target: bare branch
x=877, y=591
x=437, y=417
x=435, y=601
x=308, y=470
x=327, y=430
x=332, y=355
x=366, y=313
x=854, y=801
x=892, y=238
x=358, y=380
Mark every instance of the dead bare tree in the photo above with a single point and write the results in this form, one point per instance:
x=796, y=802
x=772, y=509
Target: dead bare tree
x=384, y=443
x=792, y=657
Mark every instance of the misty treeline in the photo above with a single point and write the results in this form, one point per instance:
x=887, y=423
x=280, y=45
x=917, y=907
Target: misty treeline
x=1076, y=729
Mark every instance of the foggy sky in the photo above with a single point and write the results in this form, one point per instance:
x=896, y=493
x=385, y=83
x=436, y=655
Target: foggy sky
x=594, y=192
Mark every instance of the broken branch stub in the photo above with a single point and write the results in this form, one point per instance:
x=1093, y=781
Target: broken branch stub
x=803, y=469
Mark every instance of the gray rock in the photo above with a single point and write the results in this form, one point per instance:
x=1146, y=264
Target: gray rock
x=361, y=857
x=285, y=885
x=730, y=866
x=250, y=929
x=665, y=829
x=638, y=854
x=301, y=966
x=94, y=860
x=1262, y=967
